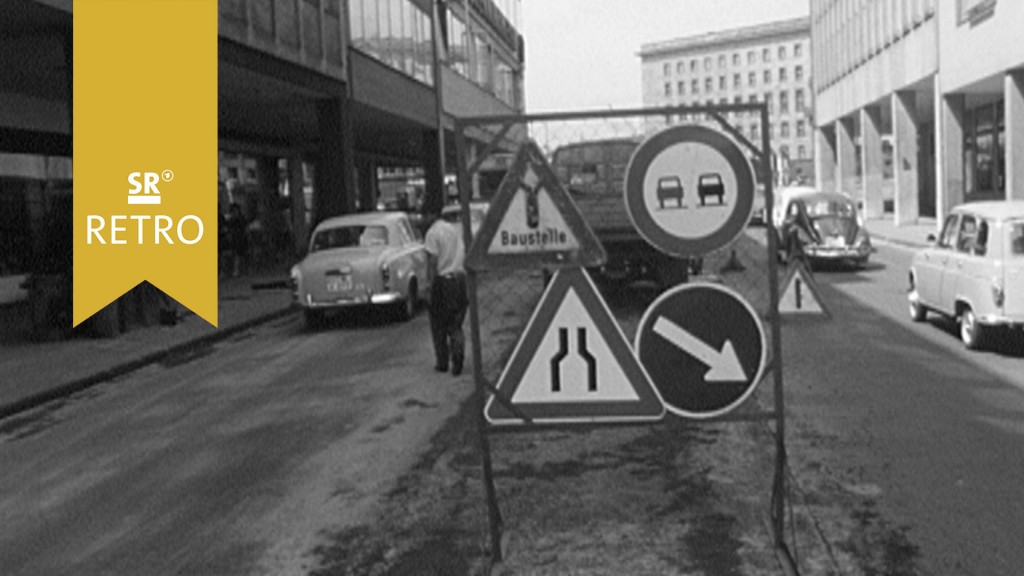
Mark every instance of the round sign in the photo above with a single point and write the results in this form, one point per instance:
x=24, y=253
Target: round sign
x=703, y=347
x=689, y=190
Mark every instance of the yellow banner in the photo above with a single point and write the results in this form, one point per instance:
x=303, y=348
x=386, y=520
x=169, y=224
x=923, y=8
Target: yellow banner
x=145, y=152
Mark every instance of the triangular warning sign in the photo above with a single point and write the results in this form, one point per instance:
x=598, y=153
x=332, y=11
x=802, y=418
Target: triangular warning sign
x=533, y=222
x=573, y=364
x=800, y=293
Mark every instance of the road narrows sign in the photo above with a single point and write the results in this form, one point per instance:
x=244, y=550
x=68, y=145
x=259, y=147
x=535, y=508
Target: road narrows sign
x=704, y=349
x=689, y=190
x=533, y=222
x=573, y=364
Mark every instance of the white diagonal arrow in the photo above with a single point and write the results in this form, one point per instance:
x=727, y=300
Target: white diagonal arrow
x=725, y=365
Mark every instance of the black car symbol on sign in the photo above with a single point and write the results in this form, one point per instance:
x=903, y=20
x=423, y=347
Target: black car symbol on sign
x=670, y=187
x=710, y=185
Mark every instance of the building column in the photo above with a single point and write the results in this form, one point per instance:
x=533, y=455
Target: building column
x=366, y=171
x=296, y=189
x=434, y=195
x=872, y=163
x=333, y=189
x=1014, y=118
x=825, y=158
x=846, y=152
x=904, y=156
x=949, y=152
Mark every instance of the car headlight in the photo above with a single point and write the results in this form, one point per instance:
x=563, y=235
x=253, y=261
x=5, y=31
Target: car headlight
x=295, y=276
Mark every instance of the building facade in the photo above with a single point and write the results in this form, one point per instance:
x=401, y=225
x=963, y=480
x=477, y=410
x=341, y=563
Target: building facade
x=318, y=96
x=768, y=63
x=920, y=103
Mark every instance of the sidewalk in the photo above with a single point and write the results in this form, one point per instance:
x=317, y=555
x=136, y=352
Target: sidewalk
x=36, y=372
x=912, y=235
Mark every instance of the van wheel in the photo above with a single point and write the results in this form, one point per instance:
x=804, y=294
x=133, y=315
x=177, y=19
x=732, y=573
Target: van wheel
x=971, y=332
x=918, y=313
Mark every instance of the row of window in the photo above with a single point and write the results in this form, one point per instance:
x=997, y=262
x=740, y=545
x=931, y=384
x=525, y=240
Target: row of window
x=799, y=100
x=396, y=32
x=399, y=34
x=766, y=56
x=846, y=33
x=737, y=81
x=472, y=56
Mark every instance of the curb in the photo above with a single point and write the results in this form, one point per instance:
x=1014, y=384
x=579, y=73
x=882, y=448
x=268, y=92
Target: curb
x=83, y=383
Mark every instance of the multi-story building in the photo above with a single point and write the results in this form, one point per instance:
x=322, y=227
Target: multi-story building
x=919, y=103
x=768, y=63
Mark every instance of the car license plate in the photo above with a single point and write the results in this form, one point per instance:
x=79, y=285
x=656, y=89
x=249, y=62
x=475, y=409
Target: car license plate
x=835, y=242
x=339, y=283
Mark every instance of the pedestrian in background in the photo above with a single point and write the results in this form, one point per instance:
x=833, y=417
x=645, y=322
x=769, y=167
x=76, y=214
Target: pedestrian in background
x=238, y=238
x=448, y=298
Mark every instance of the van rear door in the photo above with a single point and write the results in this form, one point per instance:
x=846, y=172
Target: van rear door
x=1013, y=283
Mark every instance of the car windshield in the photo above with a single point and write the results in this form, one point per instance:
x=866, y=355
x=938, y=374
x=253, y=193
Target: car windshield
x=816, y=208
x=350, y=237
x=1017, y=238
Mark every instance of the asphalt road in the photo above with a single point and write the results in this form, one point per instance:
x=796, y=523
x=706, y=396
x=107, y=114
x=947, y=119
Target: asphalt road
x=236, y=459
x=920, y=441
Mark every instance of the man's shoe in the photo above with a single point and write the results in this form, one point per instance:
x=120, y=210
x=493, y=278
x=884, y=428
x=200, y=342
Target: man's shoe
x=457, y=367
x=440, y=368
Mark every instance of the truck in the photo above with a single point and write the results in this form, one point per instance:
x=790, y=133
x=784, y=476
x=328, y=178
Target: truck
x=593, y=172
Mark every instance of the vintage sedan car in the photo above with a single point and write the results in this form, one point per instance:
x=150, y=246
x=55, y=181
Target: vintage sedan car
x=823, y=227
x=369, y=259
x=974, y=271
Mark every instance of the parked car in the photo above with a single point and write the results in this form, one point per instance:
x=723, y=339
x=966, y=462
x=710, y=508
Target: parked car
x=974, y=271
x=710, y=185
x=477, y=213
x=823, y=227
x=368, y=259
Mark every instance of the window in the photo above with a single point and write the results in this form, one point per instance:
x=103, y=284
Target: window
x=709, y=84
x=737, y=80
x=968, y=234
x=766, y=55
x=752, y=99
x=798, y=73
x=948, y=231
x=458, y=49
x=751, y=57
x=681, y=88
x=799, y=96
x=974, y=11
x=984, y=152
x=782, y=74
x=782, y=52
x=752, y=79
x=721, y=61
x=784, y=129
x=784, y=150
x=680, y=67
x=768, y=101
x=736, y=59
x=801, y=152
x=801, y=128
x=1017, y=239
x=798, y=50
x=666, y=69
x=668, y=88
x=695, y=86
x=767, y=76
x=693, y=65
x=754, y=132
x=707, y=62
x=784, y=102
x=721, y=83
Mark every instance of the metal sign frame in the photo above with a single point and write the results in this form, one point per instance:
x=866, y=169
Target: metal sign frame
x=762, y=155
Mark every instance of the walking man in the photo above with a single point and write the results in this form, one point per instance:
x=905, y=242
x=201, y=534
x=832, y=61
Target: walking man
x=448, y=299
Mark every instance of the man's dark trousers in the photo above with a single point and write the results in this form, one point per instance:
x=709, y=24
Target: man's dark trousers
x=448, y=303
